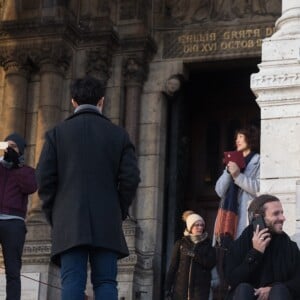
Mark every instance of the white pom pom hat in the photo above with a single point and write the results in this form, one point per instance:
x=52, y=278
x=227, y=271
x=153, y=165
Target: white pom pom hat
x=191, y=219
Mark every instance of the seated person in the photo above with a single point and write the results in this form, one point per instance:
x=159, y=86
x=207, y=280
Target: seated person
x=264, y=264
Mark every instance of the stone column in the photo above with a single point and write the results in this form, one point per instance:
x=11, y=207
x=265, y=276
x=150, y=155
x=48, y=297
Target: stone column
x=297, y=234
x=134, y=78
x=15, y=95
x=277, y=87
x=52, y=69
x=53, y=61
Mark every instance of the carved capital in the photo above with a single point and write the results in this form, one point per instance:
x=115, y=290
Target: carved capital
x=135, y=70
x=15, y=60
x=98, y=63
x=54, y=56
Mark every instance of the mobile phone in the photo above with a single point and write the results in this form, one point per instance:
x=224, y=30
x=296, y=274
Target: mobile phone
x=3, y=145
x=259, y=220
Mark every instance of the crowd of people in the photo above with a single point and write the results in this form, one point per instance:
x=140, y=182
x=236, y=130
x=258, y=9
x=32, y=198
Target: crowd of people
x=87, y=177
x=252, y=257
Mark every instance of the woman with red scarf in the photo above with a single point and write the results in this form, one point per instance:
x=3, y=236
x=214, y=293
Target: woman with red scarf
x=237, y=187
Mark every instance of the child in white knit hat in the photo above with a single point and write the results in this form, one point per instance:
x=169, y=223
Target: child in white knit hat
x=189, y=274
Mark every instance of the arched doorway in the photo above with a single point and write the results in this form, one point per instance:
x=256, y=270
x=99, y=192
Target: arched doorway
x=215, y=101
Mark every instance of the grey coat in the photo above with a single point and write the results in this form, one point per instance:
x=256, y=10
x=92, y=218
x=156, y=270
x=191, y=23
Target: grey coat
x=87, y=177
x=248, y=183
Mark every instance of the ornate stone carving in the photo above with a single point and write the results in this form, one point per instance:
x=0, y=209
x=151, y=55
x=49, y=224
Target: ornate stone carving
x=129, y=260
x=188, y=12
x=15, y=60
x=25, y=58
x=37, y=249
x=275, y=80
x=133, y=9
x=135, y=70
x=98, y=63
x=173, y=85
x=57, y=55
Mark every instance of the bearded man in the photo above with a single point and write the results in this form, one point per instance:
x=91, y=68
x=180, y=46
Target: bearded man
x=264, y=263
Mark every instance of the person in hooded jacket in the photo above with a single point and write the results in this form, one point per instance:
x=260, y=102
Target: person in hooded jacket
x=17, y=181
x=193, y=257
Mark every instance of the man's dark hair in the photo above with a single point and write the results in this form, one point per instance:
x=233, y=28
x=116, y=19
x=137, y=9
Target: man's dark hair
x=87, y=90
x=252, y=137
x=257, y=205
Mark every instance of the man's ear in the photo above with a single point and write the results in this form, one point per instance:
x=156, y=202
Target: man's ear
x=100, y=104
x=74, y=103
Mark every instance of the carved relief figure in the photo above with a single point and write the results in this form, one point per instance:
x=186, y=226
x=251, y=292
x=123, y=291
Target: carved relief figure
x=259, y=7
x=173, y=85
x=222, y=9
x=241, y=8
x=185, y=11
x=273, y=7
x=193, y=11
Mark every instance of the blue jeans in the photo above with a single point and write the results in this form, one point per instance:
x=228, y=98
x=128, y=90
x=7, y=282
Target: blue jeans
x=103, y=273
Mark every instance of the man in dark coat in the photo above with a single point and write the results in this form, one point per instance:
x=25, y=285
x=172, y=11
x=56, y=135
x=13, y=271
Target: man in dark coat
x=87, y=177
x=264, y=264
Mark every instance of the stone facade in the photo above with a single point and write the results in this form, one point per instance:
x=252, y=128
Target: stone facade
x=135, y=46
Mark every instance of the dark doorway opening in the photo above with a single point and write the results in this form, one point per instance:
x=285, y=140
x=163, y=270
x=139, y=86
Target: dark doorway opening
x=214, y=102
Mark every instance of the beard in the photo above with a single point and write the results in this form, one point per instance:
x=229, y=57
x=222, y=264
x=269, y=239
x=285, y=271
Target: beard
x=273, y=229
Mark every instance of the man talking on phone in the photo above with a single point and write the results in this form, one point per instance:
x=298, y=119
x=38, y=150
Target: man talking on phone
x=264, y=263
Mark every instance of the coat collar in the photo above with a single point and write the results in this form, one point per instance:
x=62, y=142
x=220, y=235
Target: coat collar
x=87, y=110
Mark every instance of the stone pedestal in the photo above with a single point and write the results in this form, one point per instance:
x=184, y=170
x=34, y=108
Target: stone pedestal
x=277, y=87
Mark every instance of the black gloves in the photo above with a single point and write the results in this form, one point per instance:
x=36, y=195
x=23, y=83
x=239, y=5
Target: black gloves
x=12, y=156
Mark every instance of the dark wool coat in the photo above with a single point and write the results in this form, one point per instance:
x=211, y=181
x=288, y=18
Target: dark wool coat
x=191, y=274
x=279, y=263
x=86, y=173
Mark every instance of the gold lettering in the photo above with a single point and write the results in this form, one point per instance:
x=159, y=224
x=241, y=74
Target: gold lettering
x=240, y=44
x=224, y=45
x=241, y=34
x=195, y=48
x=186, y=49
x=248, y=33
x=196, y=38
x=226, y=35
x=256, y=33
x=201, y=47
x=250, y=44
x=270, y=31
x=258, y=43
x=234, y=35
x=212, y=37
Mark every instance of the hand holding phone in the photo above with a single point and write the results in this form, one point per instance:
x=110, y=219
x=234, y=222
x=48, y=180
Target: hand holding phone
x=259, y=220
x=261, y=235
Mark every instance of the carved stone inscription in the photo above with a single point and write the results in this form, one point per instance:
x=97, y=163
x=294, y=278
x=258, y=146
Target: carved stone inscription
x=225, y=41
